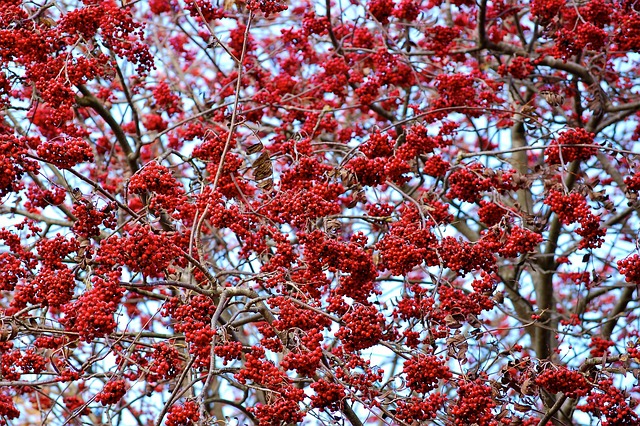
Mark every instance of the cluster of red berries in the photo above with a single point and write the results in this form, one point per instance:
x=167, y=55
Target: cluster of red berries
x=363, y=328
x=600, y=346
x=65, y=154
x=518, y=241
x=186, y=414
x=424, y=372
x=468, y=183
x=92, y=314
x=407, y=244
x=570, y=382
x=328, y=395
x=570, y=146
x=609, y=402
x=167, y=362
x=112, y=392
x=474, y=404
x=491, y=213
x=381, y=9
x=436, y=166
x=464, y=257
x=140, y=249
x=7, y=409
x=420, y=409
x=89, y=218
x=41, y=198
x=630, y=268
x=573, y=208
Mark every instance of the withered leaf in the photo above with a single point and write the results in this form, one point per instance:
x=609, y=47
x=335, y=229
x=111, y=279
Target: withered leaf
x=552, y=98
x=262, y=167
x=528, y=387
x=451, y=322
x=260, y=161
x=255, y=148
x=474, y=321
x=266, y=184
x=331, y=226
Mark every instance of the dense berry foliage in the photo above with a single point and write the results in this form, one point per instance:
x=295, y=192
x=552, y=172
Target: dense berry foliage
x=273, y=212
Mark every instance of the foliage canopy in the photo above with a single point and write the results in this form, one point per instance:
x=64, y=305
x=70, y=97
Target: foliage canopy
x=335, y=212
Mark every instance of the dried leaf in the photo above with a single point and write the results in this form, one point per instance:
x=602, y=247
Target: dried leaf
x=260, y=161
x=255, y=148
x=8, y=331
x=474, y=321
x=528, y=387
x=521, y=407
x=451, y=322
x=332, y=226
x=266, y=185
x=262, y=167
x=552, y=98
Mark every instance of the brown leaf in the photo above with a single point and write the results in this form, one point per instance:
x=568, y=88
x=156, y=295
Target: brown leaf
x=528, y=387
x=266, y=185
x=255, y=148
x=474, y=321
x=521, y=407
x=260, y=161
x=552, y=98
x=332, y=226
x=262, y=167
x=8, y=331
x=451, y=322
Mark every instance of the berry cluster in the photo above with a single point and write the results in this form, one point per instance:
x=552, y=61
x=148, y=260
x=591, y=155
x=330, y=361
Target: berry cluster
x=381, y=9
x=424, y=372
x=440, y=39
x=363, y=328
x=92, y=314
x=13, y=164
x=112, y=392
x=89, y=219
x=573, y=208
x=357, y=271
x=570, y=382
x=630, y=268
x=41, y=198
x=436, y=166
x=417, y=142
x=165, y=99
x=328, y=395
x=468, y=183
x=474, y=404
x=464, y=257
x=574, y=144
x=600, y=346
x=420, y=409
x=156, y=178
x=514, y=241
x=407, y=244
x=633, y=182
x=609, y=402
x=186, y=414
x=140, y=249
x=166, y=363
x=491, y=213
x=67, y=153
x=194, y=320
x=7, y=409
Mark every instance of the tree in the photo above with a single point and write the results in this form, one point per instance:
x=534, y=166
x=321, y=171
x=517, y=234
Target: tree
x=335, y=212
